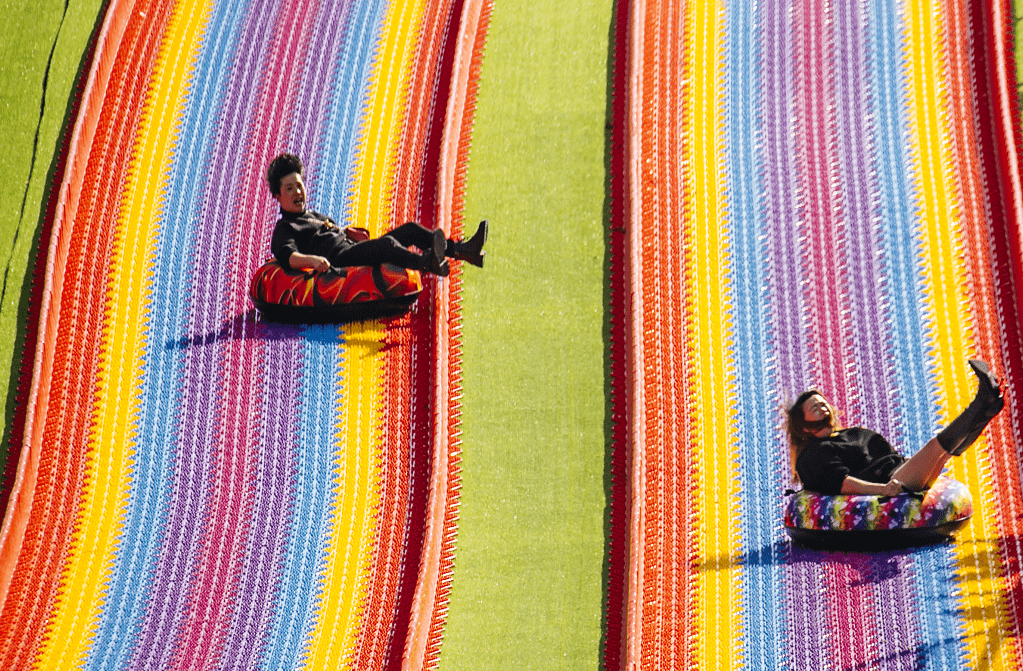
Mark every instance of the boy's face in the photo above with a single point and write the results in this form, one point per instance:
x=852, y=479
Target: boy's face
x=292, y=195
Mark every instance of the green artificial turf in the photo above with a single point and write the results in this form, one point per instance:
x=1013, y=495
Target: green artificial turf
x=43, y=43
x=1018, y=30
x=527, y=592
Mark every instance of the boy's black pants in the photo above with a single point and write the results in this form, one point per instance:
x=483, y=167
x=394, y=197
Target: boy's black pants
x=393, y=247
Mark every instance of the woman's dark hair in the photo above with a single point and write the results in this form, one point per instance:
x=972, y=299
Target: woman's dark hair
x=800, y=431
x=797, y=425
x=279, y=168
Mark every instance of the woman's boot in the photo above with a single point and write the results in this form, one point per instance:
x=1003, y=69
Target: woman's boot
x=961, y=433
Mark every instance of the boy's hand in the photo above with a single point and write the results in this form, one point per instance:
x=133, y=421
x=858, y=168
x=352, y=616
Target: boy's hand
x=319, y=265
x=309, y=263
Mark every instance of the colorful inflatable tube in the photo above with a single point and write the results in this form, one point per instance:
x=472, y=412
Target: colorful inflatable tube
x=848, y=522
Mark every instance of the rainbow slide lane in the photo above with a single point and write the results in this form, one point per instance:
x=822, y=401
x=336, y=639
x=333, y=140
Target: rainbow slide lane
x=809, y=195
x=198, y=489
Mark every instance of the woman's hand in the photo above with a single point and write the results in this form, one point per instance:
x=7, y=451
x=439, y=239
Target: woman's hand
x=892, y=488
x=309, y=263
x=853, y=485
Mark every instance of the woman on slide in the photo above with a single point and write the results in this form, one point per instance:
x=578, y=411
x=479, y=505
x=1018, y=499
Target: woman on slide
x=832, y=460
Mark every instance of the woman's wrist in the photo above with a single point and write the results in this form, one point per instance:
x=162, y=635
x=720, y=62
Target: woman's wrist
x=853, y=485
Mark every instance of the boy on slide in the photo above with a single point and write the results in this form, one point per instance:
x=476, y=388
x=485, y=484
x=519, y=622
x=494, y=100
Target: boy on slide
x=307, y=240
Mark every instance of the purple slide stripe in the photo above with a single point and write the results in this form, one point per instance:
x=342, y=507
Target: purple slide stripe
x=782, y=218
x=201, y=385
x=871, y=389
x=217, y=572
x=863, y=279
x=276, y=467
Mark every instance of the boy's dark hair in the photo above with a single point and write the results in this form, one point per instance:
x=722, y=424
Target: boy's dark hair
x=279, y=168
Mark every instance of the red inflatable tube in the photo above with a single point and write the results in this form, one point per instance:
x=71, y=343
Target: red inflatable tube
x=339, y=295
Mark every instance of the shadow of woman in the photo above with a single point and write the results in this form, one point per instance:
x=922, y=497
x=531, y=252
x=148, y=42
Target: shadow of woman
x=871, y=567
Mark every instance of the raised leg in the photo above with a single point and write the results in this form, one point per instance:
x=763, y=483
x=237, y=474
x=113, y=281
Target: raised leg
x=957, y=437
x=923, y=468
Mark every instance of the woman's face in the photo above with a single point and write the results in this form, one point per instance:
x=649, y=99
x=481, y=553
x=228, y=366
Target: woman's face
x=816, y=409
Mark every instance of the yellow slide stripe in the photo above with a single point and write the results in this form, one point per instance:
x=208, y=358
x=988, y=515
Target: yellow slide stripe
x=360, y=441
x=952, y=327
x=356, y=496
x=714, y=435
x=386, y=112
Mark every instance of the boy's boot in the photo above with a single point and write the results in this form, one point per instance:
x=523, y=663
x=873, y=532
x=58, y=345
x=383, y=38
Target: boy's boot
x=470, y=250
